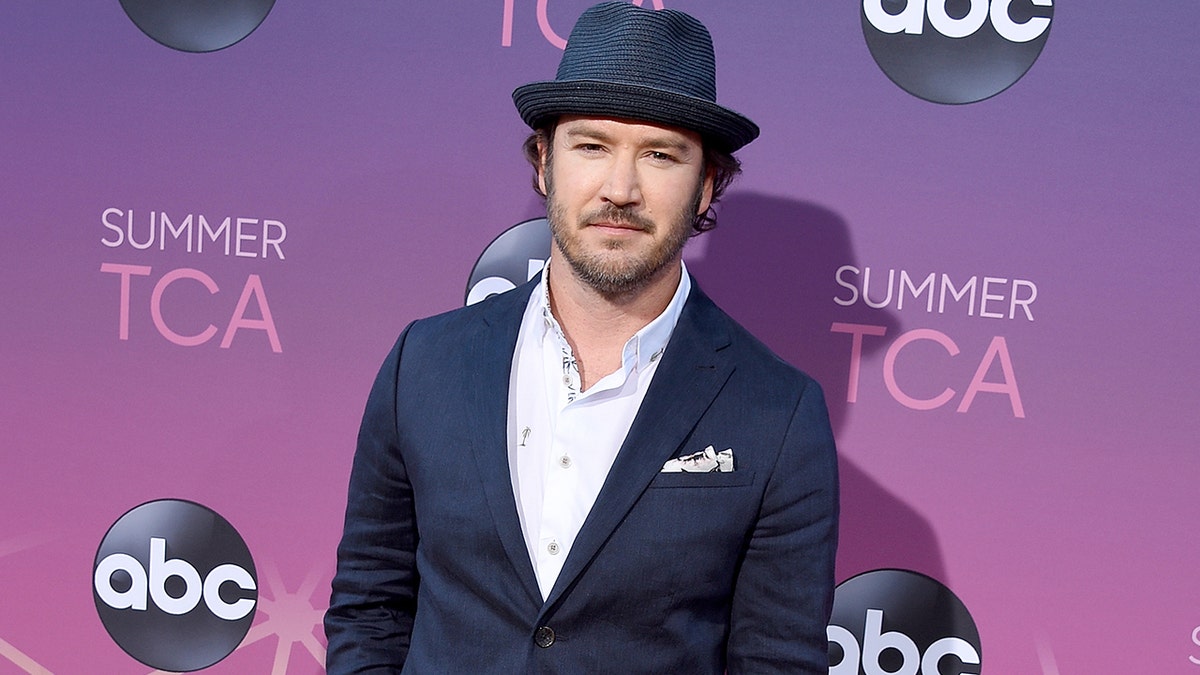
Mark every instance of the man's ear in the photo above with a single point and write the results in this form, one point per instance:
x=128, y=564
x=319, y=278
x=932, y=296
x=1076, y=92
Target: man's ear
x=710, y=175
x=543, y=151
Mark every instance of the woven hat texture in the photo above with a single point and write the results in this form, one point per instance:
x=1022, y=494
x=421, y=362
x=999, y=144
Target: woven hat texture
x=625, y=61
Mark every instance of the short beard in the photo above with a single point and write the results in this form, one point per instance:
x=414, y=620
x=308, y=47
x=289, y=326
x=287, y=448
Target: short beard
x=615, y=279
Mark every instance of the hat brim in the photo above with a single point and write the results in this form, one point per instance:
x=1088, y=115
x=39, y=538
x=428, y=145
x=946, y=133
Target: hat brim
x=540, y=102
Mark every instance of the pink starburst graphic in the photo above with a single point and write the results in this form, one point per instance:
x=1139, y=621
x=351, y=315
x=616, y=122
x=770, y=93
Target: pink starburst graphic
x=290, y=616
x=7, y=650
x=22, y=661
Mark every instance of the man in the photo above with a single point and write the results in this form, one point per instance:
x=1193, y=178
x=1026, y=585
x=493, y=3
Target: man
x=598, y=472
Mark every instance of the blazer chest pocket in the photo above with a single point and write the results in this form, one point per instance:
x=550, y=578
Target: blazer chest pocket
x=710, y=479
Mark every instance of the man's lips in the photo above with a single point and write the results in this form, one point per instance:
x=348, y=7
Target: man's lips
x=618, y=226
x=617, y=221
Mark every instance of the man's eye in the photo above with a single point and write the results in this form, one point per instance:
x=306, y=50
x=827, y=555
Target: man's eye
x=662, y=157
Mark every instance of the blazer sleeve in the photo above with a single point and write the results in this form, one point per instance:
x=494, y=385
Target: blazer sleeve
x=371, y=610
x=784, y=589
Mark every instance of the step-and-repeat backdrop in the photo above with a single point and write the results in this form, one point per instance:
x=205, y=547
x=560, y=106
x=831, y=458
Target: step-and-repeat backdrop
x=973, y=221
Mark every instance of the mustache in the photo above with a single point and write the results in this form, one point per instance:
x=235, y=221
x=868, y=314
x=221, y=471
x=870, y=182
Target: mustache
x=618, y=215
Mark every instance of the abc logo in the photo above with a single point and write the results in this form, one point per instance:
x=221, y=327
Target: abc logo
x=510, y=260
x=197, y=25
x=175, y=585
x=956, y=51
x=896, y=622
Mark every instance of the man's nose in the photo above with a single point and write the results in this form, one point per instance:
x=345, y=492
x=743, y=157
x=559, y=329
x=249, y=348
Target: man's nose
x=622, y=186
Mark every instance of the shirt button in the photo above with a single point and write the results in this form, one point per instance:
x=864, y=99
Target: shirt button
x=567, y=380
x=564, y=462
x=543, y=636
x=552, y=548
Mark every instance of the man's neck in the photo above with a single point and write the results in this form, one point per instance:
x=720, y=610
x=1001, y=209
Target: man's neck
x=596, y=325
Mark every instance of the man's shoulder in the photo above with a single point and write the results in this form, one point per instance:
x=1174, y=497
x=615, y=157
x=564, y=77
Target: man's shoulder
x=745, y=348
x=460, y=336
x=497, y=310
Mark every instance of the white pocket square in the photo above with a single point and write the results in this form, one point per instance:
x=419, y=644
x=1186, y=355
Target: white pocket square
x=705, y=461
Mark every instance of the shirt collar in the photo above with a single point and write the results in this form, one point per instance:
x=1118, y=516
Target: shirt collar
x=646, y=346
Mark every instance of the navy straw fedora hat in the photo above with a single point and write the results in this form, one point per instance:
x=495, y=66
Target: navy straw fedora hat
x=653, y=65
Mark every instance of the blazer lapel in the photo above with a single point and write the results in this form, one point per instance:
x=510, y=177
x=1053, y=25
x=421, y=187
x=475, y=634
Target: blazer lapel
x=492, y=349
x=692, y=372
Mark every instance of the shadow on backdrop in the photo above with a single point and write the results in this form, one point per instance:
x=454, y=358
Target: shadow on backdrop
x=771, y=265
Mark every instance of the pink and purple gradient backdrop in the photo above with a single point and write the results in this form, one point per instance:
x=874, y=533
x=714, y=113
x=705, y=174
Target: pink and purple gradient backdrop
x=383, y=136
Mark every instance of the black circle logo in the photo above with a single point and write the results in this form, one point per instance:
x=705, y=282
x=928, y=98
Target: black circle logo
x=197, y=25
x=174, y=585
x=956, y=51
x=510, y=260
x=897, y=622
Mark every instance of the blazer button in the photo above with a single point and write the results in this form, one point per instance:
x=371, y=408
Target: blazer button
x=543, y=636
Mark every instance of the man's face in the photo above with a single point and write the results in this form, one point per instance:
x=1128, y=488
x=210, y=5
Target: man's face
x=621, y=197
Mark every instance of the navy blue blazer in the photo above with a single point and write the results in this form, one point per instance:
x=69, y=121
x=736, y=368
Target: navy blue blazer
x=670, y=573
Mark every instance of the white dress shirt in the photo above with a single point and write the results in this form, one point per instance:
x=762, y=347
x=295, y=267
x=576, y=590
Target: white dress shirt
x=562, y=441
